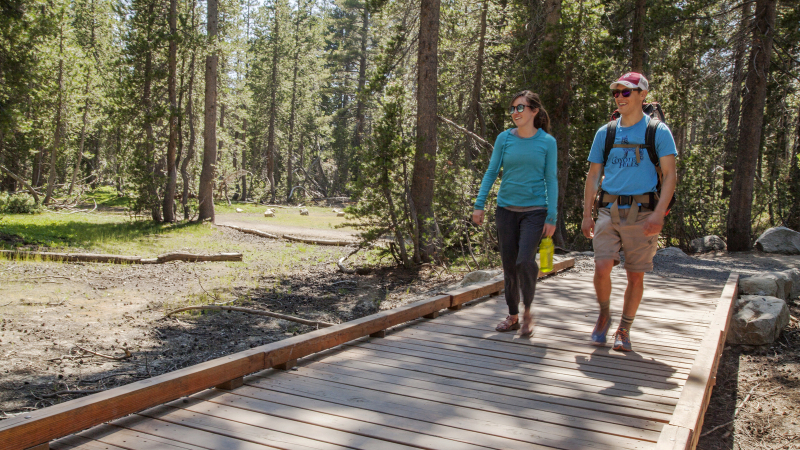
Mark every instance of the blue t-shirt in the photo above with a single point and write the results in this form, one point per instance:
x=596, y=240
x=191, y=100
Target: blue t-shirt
x=529, y=172
x=622, y=175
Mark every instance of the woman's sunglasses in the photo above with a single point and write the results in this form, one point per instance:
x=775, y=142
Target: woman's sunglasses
x=520, y=108
x=624, y=92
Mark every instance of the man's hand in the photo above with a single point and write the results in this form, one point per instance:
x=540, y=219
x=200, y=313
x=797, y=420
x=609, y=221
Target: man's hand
x=587, y=226
x=477, y=216
x=548, y=230
x=653, y=224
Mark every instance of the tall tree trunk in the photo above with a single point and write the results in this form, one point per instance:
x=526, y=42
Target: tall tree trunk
x=474, y=107
x=557, y=78
x=637, y=37
x=273, y=108
x=150, y=145
x=422, y=180
x=51, y=177
x=793, y=219
x=362, y=79
x=79, y=155
x=244, y=160
x=36, y=176
x=192, y=139
x=734, y=103
x=739, y=216
x=172, y=173
x=206, y=188
x=292, y=113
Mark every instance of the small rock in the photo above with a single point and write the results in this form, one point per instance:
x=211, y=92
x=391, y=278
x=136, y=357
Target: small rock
x=239, y=210
x=773, y=284
x=779, y=240
x=479, y=276
x=707, y=244
x=269, y=213
x=672, y=251
x=303, y=212
x=758, y=320
x=340, y=214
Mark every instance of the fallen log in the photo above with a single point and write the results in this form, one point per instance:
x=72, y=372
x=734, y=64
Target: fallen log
x=252, y=231
x=318, y=241
x=313, y=323
x=119, y=259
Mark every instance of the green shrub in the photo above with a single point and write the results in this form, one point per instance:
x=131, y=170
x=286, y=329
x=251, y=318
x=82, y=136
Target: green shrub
x=18, y=204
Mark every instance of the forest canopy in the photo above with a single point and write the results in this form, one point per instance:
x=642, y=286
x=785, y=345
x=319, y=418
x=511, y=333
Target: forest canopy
x=394, y=105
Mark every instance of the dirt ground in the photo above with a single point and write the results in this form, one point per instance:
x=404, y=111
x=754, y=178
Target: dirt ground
x=53, y=314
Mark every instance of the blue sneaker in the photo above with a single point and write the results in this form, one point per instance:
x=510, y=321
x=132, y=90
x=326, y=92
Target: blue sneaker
x=600, y=331
x=622, y=340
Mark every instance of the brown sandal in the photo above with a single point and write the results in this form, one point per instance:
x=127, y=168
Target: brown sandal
x=527, y=327
x=508, y=325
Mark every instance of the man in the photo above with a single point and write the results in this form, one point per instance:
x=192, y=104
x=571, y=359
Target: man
x=631, y=213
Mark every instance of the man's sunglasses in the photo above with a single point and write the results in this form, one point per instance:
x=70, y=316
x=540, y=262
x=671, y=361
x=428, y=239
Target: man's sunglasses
x=520, y=108
x=624, y=92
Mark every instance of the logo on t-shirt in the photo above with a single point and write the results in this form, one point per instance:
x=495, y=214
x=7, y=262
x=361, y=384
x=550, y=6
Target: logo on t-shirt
x=629, y=159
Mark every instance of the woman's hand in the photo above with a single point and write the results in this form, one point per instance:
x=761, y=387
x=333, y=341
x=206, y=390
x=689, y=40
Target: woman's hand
x=477, y=216
x=548, y=230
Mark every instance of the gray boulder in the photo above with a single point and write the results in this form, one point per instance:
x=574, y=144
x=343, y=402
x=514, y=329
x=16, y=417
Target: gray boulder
x=672, y=251
x=794, y=275
x=708, y=244
x=479, y=276
x=758, y=320
x=772, y=284
x=779, y=240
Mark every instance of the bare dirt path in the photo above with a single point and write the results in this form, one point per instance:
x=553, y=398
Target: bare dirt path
x=262, y=224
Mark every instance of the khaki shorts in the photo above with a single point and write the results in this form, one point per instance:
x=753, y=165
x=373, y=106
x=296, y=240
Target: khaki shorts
x=609, y=238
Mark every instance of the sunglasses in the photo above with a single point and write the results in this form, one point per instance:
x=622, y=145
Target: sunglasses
x=519, y=108
x=624, y=92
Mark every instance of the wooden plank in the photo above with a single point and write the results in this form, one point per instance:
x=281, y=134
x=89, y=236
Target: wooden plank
x=694, y=400
x=675, y=438
x=497, y=401
x=591, y=357
x=81, y=443
x=69, y=417
x=512, y=377
x=131, y=440
x=458, y=417
x=358, y=433
x=520, y=366
x=480, y=387
x=260, y=428
x=583, y=337
x=45, y=446
x=371, y=413
x=572, y=346
x=231, y=384
x=543, y=362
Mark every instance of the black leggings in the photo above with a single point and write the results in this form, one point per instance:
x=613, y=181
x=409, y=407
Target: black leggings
x=519, y=234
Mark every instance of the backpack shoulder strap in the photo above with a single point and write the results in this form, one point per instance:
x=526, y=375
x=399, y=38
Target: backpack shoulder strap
x=611, y=133
x=650, y=140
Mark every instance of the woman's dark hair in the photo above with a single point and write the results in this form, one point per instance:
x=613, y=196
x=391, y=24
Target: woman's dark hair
x=542, y=120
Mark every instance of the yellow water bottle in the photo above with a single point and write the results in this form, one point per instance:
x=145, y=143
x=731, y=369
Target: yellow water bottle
x=546, y=250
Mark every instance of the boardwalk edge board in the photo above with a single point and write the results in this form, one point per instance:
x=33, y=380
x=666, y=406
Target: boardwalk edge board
x=36, y=429
x=683, y=430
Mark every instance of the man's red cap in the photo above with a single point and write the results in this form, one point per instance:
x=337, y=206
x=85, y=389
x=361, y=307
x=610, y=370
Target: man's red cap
x=632, y=80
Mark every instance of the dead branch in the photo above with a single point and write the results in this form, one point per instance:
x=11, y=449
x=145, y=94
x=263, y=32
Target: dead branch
x=115, y=358
x=253, y=311
x=68, y=392
x=465, y=131
x=735, y=413
x=341, y=261
x=22, y=182
x=119, y=259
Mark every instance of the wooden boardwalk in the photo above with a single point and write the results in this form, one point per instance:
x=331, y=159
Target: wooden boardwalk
x=452, y=382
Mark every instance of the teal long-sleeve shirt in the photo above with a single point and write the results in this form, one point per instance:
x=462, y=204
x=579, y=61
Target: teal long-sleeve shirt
x=529, y=172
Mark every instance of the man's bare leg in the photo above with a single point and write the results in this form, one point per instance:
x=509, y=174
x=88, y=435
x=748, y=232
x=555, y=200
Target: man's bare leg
x=602, y=287
x=633, y=297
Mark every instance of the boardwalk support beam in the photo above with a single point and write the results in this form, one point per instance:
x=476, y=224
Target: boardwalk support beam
x=231, y=384
x=286, y=365
x=378, y=334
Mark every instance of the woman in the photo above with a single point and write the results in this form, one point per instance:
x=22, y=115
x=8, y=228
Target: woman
x=526, y=202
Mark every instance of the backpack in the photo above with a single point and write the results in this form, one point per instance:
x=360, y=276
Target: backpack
x=656, y=116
